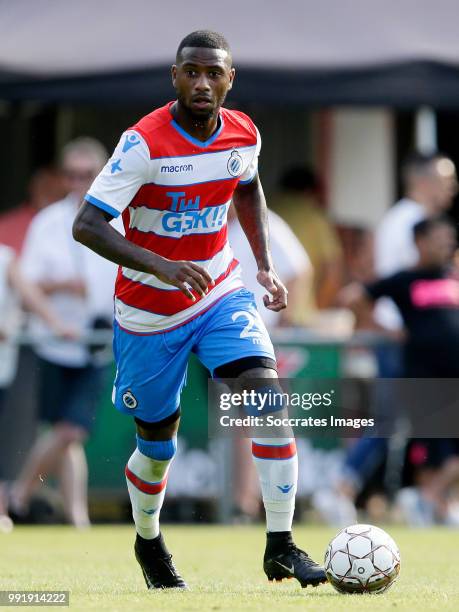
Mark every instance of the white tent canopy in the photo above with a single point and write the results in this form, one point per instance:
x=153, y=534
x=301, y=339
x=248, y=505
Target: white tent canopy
x=62, y=49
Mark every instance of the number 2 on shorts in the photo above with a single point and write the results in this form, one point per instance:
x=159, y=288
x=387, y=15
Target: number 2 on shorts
x=251, y=322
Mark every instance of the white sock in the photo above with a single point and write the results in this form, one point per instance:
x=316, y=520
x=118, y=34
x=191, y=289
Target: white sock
x=277, y=465
x=146, y=481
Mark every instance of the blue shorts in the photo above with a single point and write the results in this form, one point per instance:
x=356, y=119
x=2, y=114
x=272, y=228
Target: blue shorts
x=151, y=368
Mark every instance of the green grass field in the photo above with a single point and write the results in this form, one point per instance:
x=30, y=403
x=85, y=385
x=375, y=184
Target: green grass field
x=222, y=566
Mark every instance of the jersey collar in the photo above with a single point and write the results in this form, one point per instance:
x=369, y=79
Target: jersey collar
x=195, y=141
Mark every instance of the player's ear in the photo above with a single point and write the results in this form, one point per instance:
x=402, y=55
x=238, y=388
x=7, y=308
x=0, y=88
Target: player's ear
x=232, y=74
x=174, y=74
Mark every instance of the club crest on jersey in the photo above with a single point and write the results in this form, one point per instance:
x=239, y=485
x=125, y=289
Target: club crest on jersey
x=234, y=164
x=129, y=400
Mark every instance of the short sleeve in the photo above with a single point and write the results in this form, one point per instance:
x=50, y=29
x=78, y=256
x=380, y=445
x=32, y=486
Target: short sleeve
x=386, y=287
x=395, y=248
x=33, y=261
x=122, y=176
x=252, y=169
x=7, y=255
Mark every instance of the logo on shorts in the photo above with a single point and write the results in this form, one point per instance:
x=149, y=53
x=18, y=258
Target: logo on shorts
x=129, y=400
x=234, y=164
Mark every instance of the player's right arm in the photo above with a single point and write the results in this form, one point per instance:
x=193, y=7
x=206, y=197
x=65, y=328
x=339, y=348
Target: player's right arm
x=92, y=228
x=109, y=195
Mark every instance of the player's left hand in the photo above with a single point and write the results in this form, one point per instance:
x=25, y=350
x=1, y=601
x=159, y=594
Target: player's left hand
x=272, y=283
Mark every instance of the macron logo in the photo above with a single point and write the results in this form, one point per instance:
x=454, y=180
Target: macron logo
x=182, y=168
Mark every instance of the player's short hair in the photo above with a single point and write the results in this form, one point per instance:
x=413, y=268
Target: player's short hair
x=299, y=178
x=206, y=39
x=84, y=145
x=419, y=164
x=423, y=228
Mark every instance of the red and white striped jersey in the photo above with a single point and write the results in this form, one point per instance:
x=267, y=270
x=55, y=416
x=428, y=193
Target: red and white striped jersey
x=173, y=192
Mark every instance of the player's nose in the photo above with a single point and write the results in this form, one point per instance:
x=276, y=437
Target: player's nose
x=202, y=84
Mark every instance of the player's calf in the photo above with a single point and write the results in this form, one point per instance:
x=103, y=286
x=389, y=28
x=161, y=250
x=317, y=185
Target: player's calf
x=277, y=465
x=146, y=477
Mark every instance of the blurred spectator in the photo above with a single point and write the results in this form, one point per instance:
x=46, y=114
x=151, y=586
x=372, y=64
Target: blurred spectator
x=428, y=299
x=79, y=285
x=298, y=204
x=45, y=186
x=430, y=184
x=427, y=296
x=292, y=264
x=13, y=287
x=358, y=253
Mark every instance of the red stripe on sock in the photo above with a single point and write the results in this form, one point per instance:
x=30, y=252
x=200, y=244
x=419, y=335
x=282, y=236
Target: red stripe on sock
x=152, y=488
x=267, y=451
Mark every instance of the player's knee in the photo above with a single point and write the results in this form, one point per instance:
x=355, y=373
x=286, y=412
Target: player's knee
x=263, y=389
x=165, y=429
x=247, y=367
x=257, y=374
x=159, y=450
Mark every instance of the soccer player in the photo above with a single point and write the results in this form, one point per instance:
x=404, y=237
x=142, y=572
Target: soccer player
x=172, y=177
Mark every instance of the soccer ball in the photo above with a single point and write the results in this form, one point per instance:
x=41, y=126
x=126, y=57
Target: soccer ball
x=362, y=559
